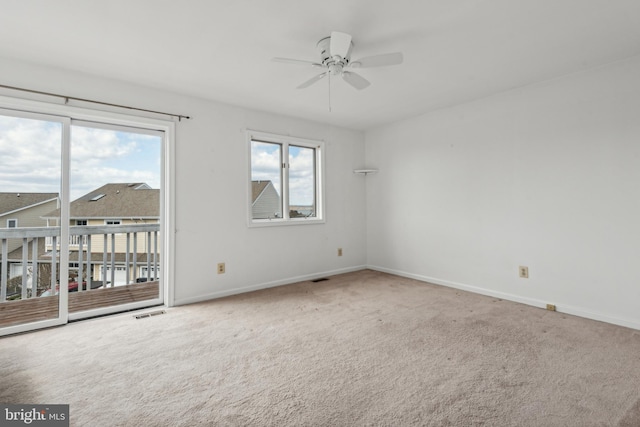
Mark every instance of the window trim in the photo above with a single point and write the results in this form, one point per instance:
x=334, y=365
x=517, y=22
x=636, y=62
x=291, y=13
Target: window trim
x=286, y=141
x=14, y=220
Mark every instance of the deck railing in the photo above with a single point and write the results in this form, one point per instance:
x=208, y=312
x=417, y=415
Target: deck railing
x=41, y=247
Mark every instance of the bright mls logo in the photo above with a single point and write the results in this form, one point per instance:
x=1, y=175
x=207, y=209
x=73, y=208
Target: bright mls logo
x=34, y=415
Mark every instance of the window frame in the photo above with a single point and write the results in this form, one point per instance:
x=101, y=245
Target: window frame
x=12, y=221
x=286, y=141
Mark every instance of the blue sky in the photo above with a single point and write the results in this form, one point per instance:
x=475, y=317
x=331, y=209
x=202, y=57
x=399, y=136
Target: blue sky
x=30, y=157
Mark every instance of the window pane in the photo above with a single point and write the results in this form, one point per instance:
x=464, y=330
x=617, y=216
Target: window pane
x=101, y=156
x=115, y=181
x=302, y=182
x=266, y=180
x=30, y=179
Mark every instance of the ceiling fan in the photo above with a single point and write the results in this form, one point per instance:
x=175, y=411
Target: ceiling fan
x=335, y=60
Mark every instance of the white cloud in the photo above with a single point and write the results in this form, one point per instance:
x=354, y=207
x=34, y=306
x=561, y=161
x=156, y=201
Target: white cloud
x=93, y=146
x=301, y=177
x=30, y=157
x=266, y=165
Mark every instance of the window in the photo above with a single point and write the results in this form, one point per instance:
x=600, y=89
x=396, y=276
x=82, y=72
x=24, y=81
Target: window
x=285, y=180
x=81, y=222
x=112, y=222
x=12, y=223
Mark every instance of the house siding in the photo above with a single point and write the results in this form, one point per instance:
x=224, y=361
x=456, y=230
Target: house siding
x=267, y=205
x=28, y=217
x=97, y=241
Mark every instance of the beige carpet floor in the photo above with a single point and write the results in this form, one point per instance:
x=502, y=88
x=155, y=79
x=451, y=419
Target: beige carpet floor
x=362, y=348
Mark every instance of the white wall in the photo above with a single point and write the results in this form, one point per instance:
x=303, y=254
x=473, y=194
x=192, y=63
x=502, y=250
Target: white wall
x=211, y=189
x=546, y=176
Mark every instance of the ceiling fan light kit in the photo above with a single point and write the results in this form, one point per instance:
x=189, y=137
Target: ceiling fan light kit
x=335, y=60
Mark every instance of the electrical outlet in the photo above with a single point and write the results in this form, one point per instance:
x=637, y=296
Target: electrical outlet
x=524, y=272
x=221, y=268
x=339, y=251
x=551, y=307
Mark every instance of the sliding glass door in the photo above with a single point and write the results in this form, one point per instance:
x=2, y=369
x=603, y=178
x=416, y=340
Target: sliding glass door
x=80, y=219
x=114, y=218
x=34, y=249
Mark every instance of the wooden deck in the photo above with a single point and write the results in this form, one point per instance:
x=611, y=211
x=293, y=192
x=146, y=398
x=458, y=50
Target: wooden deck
x=36, y=309
x=30, y=310
x=99, y=298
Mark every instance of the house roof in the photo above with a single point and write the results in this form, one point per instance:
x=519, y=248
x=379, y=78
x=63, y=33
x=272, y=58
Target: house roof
x=11, y=202
x=116, y=200
x=257, y=187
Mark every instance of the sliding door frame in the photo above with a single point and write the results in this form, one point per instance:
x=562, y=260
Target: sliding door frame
x=67, y=114
x=63, y=294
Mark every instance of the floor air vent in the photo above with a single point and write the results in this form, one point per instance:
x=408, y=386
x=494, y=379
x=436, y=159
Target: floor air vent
x=320, y=280
x=153, y=313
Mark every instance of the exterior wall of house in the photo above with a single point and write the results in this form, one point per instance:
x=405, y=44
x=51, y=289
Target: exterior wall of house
x=267, y=205
x=120, y=276
x=97, y=241
x=29, y=217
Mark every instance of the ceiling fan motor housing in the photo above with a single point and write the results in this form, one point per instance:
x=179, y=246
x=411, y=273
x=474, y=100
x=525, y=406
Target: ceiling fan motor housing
x=334, y=63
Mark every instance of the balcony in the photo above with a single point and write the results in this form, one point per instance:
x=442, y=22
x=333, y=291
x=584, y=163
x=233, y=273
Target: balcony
x=109, y=265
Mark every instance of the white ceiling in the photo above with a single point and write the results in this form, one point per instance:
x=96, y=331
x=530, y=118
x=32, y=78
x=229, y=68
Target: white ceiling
x=455, y=50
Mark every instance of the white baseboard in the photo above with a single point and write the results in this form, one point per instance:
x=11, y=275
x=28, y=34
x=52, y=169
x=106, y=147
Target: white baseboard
x=563, y=308
x=266, y=285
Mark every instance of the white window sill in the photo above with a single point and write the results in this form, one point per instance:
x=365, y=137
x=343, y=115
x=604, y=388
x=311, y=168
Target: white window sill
x=284, y=222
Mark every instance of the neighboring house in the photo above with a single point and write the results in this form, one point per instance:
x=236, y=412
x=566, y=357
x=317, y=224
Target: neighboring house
x=113, y=204
x=23, y=210
x=265, y=200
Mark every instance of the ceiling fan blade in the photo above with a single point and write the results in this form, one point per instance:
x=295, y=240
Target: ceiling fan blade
x=378, y=60
x=312, y=80
x=355, y=80
x=296, y=62
x=340, y=44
